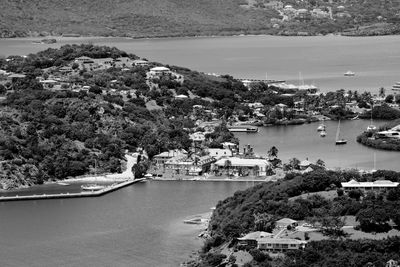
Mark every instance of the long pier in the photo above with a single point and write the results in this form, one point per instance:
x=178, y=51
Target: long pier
x=97, y=193
x=260, y=80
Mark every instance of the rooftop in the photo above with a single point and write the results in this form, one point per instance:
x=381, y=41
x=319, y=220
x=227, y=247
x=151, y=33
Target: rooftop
x=378, y=183
x=235, y=161
x=256, y=235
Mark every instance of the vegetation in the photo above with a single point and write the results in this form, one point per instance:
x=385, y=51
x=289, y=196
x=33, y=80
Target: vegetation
x=237, y=215
x=59, y=134
x=153, y=18
x=368, y=139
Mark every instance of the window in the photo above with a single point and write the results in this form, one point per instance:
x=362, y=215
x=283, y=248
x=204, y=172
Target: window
x=292, y=245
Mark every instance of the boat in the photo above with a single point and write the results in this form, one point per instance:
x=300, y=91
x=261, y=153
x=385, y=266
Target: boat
x=396, y=86
x=322, y=133
x=339, y=141
x=321, y=127
x=349, y=73
x=246, y=129
x=64, y=184
x=92, y=187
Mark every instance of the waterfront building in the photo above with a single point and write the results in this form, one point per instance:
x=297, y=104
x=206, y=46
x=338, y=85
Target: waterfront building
x=280, y=244
x=388, y=134
x=188, y=166
x=163, y=157
x=235, y=164
x=250, y=240
x=377, y=186
x=159, y=71
x=219, y=153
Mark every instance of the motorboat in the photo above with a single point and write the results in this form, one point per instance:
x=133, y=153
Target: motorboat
x=322, y=133
x=92, y=187
x=349, y=73
x=396, y=86
x=321, y=127
x=371, y=127
x=246, y=129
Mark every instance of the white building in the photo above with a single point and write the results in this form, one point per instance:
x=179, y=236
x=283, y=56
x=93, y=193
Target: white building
x=378, y=185
x=237, y=163
x=219, y=153
x=280, y=244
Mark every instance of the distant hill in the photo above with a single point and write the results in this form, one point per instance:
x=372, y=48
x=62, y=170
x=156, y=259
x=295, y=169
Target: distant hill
x=136, y=18
x=161, y=18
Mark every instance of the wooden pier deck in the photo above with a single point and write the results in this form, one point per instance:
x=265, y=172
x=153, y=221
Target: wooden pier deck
x=98, y=193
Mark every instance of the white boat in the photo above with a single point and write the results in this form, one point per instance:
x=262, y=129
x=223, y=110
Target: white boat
x=322, y=133
x=64, y=184
x=321, y=127
x=339, y=141
x=396, y=87
x=246, y=129
x=349, y=73
x=92, y=187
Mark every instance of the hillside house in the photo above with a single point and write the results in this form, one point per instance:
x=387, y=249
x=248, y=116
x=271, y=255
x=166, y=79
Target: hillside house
x=280, y=244
x=377, y=186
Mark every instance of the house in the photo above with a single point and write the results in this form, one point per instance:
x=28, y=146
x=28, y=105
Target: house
x=388, y=134
x=250, y=240
x=377, y=186
x=198, y=137
x=255, y=105
x=285, y=222
x=256, y=165
x=159, y=71
x=186, y=166
x=165, y=156
x=219, y=153
x=304, y=164
x=140, y=62
x=280, y=244
x=229, y=145
x=48, y=84
x=182, y=97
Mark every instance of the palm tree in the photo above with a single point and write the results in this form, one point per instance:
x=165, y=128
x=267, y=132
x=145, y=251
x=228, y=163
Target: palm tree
x=273, y=152
x=227, y=165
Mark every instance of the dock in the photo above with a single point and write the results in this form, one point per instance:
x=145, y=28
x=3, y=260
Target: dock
x=98, y=193
x=260, y=80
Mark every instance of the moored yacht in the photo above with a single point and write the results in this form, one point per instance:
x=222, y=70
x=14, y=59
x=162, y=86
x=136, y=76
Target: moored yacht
x=92, y=187
x=349, y=73
x=321, y=127
x=396, y=87
x=322, y=133
x=246, y=129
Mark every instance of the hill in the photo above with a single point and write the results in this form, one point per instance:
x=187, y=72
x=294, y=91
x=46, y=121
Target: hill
x=152, y=18
x=136, y=18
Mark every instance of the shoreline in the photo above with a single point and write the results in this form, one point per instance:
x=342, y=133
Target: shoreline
x=60, y=37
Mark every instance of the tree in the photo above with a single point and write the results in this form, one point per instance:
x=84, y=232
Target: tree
x=294, y=163
x=382, y=92
x=373, y=219
x=389, y=99
x=320, y=163
x=273, y=152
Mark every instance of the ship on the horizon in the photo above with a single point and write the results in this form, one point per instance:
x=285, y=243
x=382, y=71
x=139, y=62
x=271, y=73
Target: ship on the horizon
x=349, y=73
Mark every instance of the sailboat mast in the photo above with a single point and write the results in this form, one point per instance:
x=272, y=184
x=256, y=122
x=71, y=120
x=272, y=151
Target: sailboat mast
x=338, y=131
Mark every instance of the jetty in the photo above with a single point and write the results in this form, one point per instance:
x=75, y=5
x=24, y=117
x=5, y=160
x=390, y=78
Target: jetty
x=97, y=193
x=260, y=80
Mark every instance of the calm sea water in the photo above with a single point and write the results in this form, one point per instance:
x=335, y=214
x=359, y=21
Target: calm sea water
x=303, y=141
x=141, y=225
x=320, y=60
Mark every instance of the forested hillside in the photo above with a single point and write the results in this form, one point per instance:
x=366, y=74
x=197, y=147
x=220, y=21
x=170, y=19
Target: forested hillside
x=129, y=17
x=154, y=18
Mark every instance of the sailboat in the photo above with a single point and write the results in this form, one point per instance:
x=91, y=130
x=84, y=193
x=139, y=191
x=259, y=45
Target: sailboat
x=339, y=141
x=371, y=127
